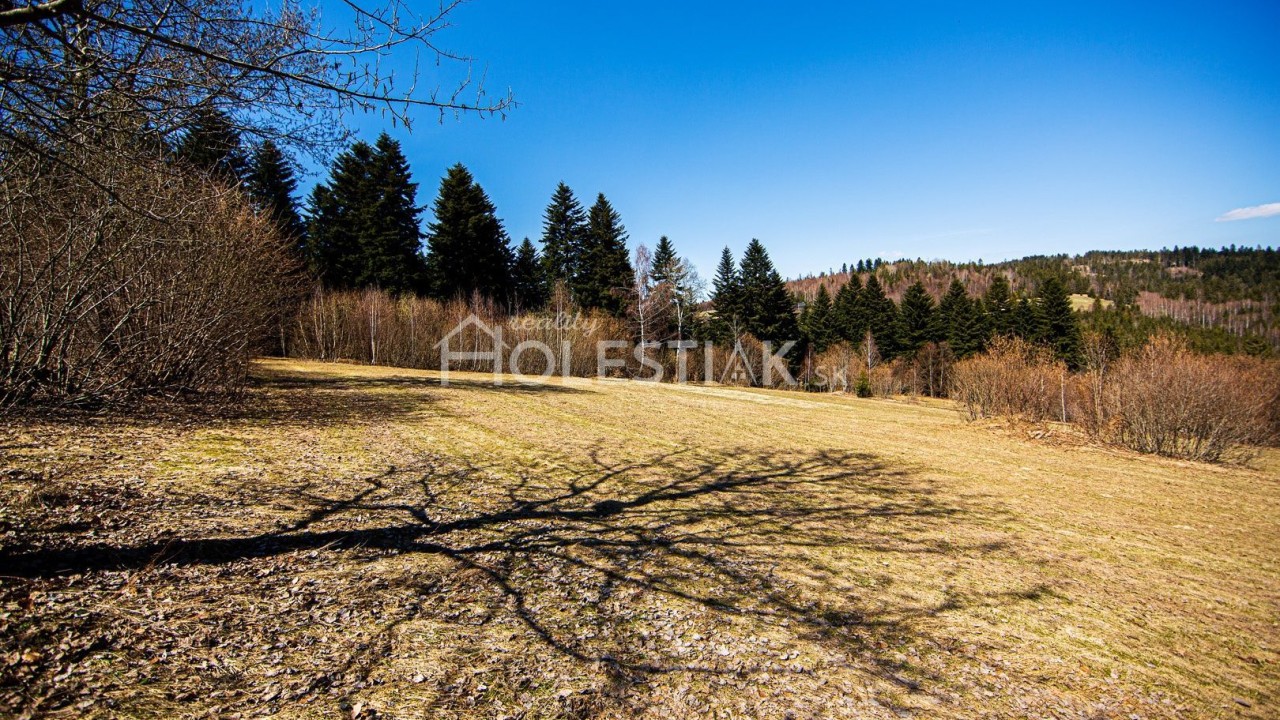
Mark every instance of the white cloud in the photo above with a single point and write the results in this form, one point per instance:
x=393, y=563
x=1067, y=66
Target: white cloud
x=1249, y=213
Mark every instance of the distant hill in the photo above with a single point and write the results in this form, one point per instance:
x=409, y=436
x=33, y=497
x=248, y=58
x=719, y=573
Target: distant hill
x=1223, y=299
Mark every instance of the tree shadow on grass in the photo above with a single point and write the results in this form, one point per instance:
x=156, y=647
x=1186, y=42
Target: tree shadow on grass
x=679, y=564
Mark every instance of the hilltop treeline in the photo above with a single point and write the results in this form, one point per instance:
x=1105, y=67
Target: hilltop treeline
x=1218, y=300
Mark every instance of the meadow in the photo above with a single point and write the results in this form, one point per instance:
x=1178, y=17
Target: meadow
x=358, y=541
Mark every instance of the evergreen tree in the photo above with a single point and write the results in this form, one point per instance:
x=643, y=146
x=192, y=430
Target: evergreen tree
x=726, y=298
x=962, y=321
x=528, y=278
x=951, y=302
x=1025, y=324
x=999, y=306
x=604, y=276
x=337, y=212
x=882, y=317
x=768, y=311
x=212, y=144
x=270, y=183
x=391, y=235
x=564, y=227
x=664, y=261
x=1058, y=327
x=917, y=319
x=468, y=250
x=849, y=313
x=818, y=323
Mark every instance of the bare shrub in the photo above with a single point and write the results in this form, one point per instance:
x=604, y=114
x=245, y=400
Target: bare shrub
x=1168, y=400
x=1162, y=399
x=885, y=381
x=1013, y=378
x=929, y=372
x=159, y=282
x=837, y=368
x=371, y=326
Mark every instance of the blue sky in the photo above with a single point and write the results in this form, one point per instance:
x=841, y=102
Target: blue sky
x=846, y=130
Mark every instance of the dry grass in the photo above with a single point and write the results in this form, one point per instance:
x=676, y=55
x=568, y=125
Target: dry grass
x=1080, y=301
x=361, y=541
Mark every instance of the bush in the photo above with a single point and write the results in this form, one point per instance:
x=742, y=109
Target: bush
x=1012, y=378
x=1166, y=399
x=159, y=281
x=372, y=326
x=1162, y=399
x=863, y=388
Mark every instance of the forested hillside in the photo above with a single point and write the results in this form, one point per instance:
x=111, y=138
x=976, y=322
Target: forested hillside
x=1225, y=299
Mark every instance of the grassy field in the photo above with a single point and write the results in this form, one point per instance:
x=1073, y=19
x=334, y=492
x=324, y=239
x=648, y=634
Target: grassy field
x=362, y=542
x=1080, y=301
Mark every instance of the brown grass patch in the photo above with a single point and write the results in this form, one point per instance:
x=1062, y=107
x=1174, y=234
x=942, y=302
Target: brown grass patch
x=361, y=540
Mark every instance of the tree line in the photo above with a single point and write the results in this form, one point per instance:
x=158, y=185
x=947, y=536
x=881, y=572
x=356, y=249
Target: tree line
x=363, y=229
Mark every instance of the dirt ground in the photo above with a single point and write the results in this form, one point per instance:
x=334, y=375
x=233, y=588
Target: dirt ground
x=362, y=542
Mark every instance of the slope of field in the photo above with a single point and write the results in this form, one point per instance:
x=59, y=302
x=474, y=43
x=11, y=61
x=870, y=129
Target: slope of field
x=362, y=542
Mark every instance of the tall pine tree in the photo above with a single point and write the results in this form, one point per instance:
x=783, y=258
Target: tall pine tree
x=917, y=319
x=768, y=311
x=467, y=247
x=962, y=321
x=1057, y=324
x=528, y=278
x=604, y=277
x=818, y=323
x=1025, y=321
x=391, y=236
x=337, y=212
x=665, y=261
x=726, y=298
x=999, y=306
x=211, y=143
x=270, y=183
x=564, y=228
x=849, y=313
x=882, y=317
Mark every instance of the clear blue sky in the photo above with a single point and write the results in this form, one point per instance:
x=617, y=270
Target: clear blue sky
x=834, y=131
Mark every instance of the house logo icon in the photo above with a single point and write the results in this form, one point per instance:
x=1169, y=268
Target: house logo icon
x=460, y=338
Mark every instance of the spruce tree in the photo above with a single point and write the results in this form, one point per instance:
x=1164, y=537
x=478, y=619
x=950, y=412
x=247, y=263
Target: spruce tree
x=211, y=143
x=1058, y=327
x=768, y=311
x=917, y=319
x=882, y=317
x=564, y=227
x=950, y=304
x=337, y=212
x=818, y=322
x=270, y=183
x=999, y=306
x=604, y=276
x=664, y=261
x=467, y=247
x=391, y=234
x=726, y=298
x=849, y=313
x=528, y=278
x=962, y=321
x=1025, y=324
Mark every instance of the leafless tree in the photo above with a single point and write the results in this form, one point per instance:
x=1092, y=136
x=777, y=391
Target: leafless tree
x=642, y=293
x=74, y=70
x=122, y=271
